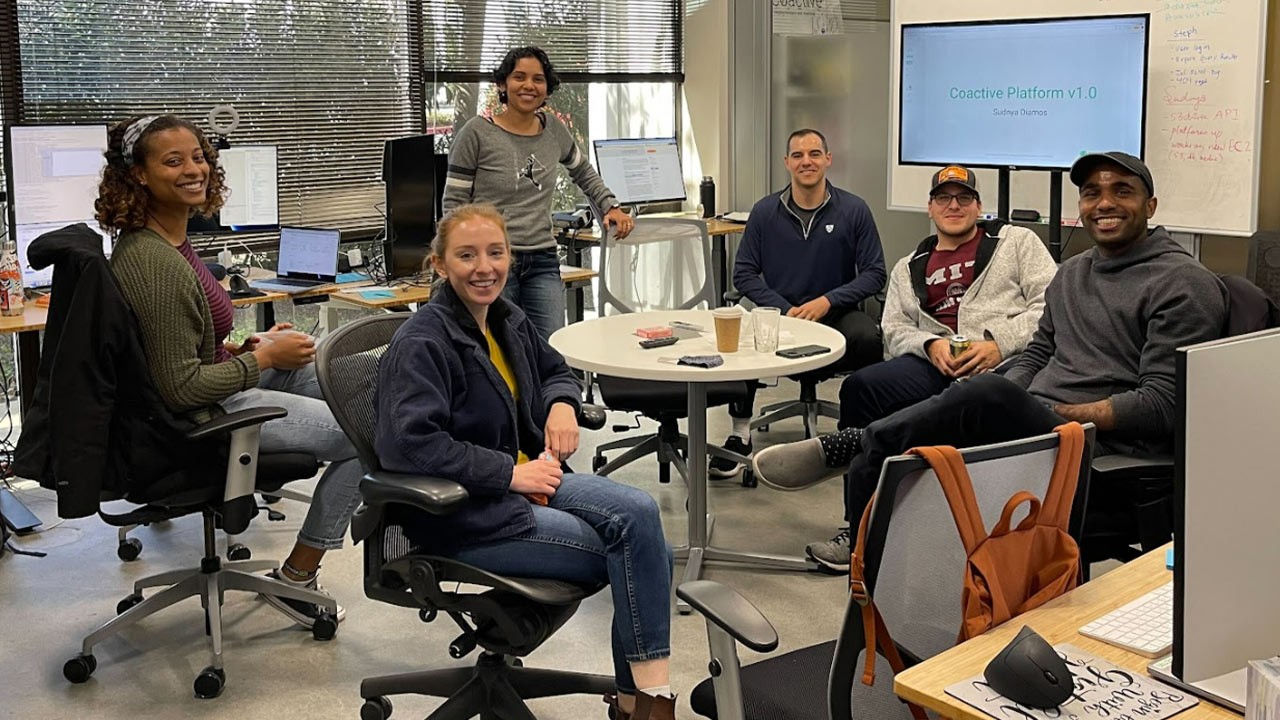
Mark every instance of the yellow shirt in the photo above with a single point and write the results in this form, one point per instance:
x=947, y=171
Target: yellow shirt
x=499, y=360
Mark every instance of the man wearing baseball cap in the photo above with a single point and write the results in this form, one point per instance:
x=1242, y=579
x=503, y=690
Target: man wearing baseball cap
x=1103, y=351
x=984, y=280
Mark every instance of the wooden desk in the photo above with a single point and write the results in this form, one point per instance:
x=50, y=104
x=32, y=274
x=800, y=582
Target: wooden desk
x=1058, y=621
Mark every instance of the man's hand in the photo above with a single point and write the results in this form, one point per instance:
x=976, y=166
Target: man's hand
x=815, y=309
x=561, y=432
x=939, y=352
x=982, y=356
x=619, y=219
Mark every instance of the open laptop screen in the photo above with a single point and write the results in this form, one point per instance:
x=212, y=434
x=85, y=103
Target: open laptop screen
x=308, y=253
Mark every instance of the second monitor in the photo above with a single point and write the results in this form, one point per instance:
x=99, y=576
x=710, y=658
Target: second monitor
x=641, y=170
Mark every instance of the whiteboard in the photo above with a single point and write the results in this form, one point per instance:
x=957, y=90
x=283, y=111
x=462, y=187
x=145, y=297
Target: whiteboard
x=1204, y=108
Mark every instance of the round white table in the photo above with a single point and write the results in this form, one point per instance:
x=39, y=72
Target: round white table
x=609, y=346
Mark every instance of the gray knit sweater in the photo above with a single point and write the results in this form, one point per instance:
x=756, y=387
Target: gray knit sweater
x=177, y=328
x=517, y=173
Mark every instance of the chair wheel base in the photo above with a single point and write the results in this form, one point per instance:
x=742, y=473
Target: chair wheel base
x=749, y=478
x=239, y=552
x=209, y=683
x=123, y=606
x=129, y=549
x=325, y=627
x=79, y=668
x=376, y=708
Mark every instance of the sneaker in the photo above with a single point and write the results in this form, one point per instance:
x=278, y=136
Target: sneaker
x=301, y=612
x=724, y=467
x=833, y=554
x=793, y=466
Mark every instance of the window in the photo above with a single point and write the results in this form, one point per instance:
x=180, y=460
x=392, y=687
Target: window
x=620, y=62
x=327, y=81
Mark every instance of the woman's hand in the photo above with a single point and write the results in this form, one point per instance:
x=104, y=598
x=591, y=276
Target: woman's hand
x=619, y=219
x=536, y=477
x=248, y=345
x=286, y=352
x=281, y=326
x=561, y=432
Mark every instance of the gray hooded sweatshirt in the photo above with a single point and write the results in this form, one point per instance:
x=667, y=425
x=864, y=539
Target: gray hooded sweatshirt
x=1110, y=328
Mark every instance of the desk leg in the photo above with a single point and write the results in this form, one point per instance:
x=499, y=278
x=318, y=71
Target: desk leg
x=28, y=367
x=697, y=463
x=720, y=258
x=265, y=312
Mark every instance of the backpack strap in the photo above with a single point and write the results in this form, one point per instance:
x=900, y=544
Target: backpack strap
x=1066, y=476
x=949, y=467
x=1006, y=517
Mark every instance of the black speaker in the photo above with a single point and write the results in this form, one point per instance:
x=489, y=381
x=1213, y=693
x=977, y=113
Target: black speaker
x=409, y=173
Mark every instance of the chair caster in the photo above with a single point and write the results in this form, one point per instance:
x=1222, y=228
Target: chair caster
x=79, y=668
x=376, y=708
x=597, y=462
x=427, y=615
x=749, y=478
x=239, y=552
x=209, y=683
x=325, y=627
x=129, y=549
x=274, y=515
x=123, y=606
x=270, y=499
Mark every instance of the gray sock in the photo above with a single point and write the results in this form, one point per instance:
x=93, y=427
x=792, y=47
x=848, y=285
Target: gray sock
x=838, y=448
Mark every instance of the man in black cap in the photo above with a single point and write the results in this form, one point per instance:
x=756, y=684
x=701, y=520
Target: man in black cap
x=1103, y=351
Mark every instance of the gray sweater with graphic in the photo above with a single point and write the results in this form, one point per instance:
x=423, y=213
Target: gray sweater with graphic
x=517, y=173
x=1110, y=329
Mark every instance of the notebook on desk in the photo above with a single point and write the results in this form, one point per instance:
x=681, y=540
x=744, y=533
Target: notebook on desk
x=308, y=259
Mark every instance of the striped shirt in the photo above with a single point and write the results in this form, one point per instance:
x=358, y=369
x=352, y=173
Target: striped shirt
x=219, y=301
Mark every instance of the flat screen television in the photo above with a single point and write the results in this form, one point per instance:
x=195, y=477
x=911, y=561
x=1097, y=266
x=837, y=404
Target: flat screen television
x=53, y=173
x=1024, y=94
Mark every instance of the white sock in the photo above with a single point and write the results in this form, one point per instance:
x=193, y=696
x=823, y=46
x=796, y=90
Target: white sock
x=663, y=691
x=741, y=428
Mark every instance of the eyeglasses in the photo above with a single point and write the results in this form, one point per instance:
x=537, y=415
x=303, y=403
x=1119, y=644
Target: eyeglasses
x=962, y=199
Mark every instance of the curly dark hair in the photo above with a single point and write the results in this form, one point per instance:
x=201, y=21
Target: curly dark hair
x=122, y=200
x=515, y=55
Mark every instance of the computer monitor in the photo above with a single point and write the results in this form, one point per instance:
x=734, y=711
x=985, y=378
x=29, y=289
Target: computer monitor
x=1002, y=94
x=641, y=170
x=53, y=174
x=409, y=170
x=252, y=199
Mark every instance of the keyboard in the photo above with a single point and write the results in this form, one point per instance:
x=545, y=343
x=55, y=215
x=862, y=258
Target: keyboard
x=291, y=282
x=1144, y=626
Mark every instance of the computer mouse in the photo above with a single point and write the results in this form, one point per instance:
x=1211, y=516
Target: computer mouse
x=239, y=285
x=1030, y=672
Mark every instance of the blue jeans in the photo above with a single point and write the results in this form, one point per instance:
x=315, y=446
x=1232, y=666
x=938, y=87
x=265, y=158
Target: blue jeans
x=534, y=284
x=595, y=530
x=309, y=427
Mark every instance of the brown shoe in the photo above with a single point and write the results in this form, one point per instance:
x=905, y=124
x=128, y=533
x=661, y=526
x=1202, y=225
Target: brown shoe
x=654, y=708
x=615, y=711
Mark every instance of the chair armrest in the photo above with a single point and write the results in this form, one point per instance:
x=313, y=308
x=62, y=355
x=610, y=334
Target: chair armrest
x=1131, y=465
x=592, y=417
x=732, y=296
x=434, y=495
x=235, y=421
x=723, y=606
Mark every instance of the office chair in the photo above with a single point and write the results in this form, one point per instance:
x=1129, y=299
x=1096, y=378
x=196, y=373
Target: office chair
x=663, y=264
x=510, y=619
x=150, y=459
x=1132, y=500
x=914, y=571
x=1263, y=269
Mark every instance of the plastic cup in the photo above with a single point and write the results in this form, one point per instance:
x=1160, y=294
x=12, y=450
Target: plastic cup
x=728, y=328
x=764, y=323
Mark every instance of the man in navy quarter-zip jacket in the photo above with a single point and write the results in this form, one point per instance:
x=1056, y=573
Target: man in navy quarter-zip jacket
x=812, y=251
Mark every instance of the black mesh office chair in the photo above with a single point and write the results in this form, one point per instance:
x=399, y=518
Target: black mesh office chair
x=510, y=619
x=1264, y=262
x=914, y=571
x=663, y=264
x=151, y=460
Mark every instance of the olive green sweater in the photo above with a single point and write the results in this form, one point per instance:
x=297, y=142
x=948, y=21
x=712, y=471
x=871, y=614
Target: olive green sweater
x=177, y=327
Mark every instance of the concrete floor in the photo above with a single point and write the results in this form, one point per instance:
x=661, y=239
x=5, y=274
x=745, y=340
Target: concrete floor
x=274, y=669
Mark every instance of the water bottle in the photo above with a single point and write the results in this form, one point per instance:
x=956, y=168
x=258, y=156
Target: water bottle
x=10, y=280
x=707, y=196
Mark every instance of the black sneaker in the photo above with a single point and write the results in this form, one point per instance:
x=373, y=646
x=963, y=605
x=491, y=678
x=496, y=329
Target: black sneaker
x=303, y=613
x=723, y=467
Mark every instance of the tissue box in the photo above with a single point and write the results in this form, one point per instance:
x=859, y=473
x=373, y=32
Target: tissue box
x=654, y=332
x=1263, y=701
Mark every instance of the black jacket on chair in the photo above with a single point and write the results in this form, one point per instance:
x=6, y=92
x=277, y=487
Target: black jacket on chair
x=96, y=427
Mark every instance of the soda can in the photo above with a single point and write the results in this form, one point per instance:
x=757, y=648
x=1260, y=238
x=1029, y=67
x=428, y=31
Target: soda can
x=959, y=345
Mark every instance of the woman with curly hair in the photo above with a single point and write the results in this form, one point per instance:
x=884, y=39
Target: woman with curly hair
x=160, y=170
x=510, y=161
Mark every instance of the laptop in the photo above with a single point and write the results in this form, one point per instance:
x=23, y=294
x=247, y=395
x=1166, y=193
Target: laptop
x=308, y=259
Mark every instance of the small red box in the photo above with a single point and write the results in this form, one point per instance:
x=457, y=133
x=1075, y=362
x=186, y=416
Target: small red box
x=650, y=333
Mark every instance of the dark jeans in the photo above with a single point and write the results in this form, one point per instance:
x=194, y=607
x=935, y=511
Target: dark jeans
x=534, y=284
x=882, y=389
x=862, y=347
x=983, y=409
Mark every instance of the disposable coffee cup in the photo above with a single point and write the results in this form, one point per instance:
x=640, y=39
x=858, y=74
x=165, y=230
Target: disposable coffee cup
x=728, y=328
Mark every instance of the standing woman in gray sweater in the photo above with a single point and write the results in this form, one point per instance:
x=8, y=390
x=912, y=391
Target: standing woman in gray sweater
x=510, y=161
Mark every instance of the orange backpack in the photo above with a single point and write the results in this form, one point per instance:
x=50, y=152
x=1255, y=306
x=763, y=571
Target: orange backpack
x=1009, y=571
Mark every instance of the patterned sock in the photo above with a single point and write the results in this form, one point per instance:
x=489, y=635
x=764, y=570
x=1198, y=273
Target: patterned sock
x=838, y=448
